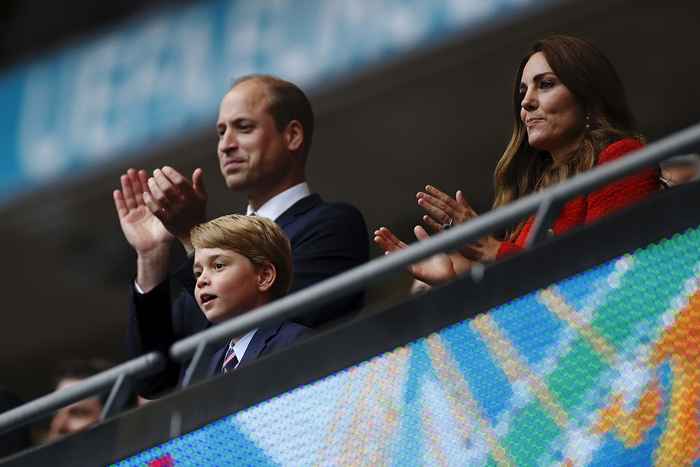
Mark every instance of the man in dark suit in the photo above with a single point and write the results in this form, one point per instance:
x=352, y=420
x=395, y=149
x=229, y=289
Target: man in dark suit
x=265, y=129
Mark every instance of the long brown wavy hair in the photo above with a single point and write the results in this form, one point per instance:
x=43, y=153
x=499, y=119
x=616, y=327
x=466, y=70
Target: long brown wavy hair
x=598, y=90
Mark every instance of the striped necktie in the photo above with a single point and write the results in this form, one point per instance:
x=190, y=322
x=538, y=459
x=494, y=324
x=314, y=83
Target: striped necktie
x=230, y=360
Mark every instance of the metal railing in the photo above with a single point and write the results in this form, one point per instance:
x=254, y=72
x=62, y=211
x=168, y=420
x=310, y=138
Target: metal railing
x=117, y=380
x=545, y=205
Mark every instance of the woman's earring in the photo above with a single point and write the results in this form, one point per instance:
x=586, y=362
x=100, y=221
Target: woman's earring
x=588, y=122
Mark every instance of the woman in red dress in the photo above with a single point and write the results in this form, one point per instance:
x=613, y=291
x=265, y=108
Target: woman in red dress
x=570, y=115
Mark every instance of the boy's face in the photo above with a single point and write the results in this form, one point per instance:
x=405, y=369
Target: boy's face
x=227, y=283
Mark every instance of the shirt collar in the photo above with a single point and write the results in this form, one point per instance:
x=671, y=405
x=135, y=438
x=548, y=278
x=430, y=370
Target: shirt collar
x=275, y=206
x=242, y=345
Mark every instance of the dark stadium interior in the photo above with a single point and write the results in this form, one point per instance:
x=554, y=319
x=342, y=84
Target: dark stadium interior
x=35, y=27
x=446, y=110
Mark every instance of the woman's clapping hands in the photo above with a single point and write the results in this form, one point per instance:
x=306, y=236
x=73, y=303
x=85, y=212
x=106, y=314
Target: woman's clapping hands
x=434, y=270
x=443, y=211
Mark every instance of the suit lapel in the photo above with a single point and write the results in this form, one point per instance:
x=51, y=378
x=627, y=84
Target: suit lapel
x=216, y=361
x=259, y=343
x=255, y=349
x=297, y=209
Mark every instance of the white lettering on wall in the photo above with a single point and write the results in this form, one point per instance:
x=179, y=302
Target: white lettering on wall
x=41, y=142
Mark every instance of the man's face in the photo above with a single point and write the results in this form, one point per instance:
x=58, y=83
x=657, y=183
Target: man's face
x=227, y=284
x=75, y=417
x=253, y=153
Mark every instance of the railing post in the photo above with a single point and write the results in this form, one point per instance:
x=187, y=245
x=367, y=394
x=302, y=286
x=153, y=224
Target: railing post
x=145, y=365
x=196, y=370
x=547, y=212
x=117, y=396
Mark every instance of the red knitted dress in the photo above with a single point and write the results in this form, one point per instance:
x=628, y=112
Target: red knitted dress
x=589, y=208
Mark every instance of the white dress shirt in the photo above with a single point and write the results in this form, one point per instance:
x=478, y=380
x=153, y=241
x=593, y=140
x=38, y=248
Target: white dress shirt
x=275, y=206
x=241, y=345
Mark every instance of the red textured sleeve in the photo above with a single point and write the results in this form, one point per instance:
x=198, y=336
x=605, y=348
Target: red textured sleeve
x=507, y=248
x=510, y=247
x=623, y=192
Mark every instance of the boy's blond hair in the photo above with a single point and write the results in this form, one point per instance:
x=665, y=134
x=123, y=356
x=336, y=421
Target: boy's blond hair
x=257, y=238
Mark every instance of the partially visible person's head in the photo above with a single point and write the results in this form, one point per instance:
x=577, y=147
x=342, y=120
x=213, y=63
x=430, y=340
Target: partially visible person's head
x=265, y=129
x=240, y=263
x=82, y=414
x=568, y=104
x=680, y=169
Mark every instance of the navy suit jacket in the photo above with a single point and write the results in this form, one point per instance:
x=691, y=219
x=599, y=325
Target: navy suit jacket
x=151, y=329
x=265, y=340
x=326, y=239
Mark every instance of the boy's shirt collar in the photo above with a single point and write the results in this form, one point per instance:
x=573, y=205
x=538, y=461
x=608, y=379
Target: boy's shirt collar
x=279, y=203
x=242, y=345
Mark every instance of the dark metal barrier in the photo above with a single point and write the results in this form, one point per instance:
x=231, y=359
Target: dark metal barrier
x=117, y=380
x=374, y=333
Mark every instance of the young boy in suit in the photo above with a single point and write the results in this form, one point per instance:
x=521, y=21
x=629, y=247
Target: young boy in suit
x=240, y=263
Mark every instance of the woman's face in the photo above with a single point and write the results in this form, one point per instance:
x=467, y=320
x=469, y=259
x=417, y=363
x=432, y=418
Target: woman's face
x=549, y=111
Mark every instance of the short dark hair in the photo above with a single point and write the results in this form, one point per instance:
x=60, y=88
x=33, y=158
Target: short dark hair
x=81, y=369
x=287, y=102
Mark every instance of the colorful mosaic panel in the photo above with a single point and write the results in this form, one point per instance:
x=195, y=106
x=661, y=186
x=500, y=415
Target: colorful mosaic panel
x=599, y=369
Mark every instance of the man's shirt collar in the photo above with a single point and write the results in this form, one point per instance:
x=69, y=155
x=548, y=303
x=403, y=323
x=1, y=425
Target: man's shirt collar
x=279, y=203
